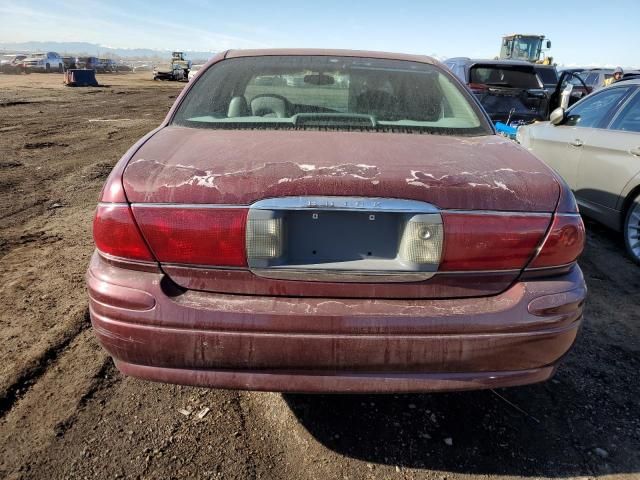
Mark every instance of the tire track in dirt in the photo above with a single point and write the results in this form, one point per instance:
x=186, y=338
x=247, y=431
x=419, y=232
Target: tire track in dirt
x=250, y=464
x=67, y=384
x=18, y=383
x=43, y=251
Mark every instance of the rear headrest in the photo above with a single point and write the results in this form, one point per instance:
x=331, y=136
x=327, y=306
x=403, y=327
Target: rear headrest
x=238, y=107
x=262, y=106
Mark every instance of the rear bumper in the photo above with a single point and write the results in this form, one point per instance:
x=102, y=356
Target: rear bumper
x=156, y=332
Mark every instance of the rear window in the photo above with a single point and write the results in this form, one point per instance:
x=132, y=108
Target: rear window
x=323, y=92
x=547, y=75
x=512, y=76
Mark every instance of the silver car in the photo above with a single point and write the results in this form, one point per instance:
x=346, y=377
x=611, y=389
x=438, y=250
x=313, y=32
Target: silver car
x=595, y=147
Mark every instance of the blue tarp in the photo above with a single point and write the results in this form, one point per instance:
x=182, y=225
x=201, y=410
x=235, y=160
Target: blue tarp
x=506, y=130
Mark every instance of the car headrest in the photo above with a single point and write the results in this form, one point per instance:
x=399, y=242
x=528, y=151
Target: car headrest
x=263, y=106
x=238, y=107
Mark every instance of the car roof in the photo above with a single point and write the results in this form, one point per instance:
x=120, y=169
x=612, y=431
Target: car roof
x=267, y=52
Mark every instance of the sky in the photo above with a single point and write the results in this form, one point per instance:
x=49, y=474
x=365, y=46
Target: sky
x=582, y=32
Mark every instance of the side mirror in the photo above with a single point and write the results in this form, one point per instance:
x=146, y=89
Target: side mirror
x=557, y=116
x=565, y=96
x=548, y=43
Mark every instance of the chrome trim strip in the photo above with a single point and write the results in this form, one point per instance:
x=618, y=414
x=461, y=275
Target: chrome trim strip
x=346, y=276
x=556, y=267
x=115, y=258
x=112, y=204
x=393, y=271
x=319, y=202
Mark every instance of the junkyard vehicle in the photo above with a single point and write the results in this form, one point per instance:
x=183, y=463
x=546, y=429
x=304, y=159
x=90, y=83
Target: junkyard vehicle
x=69, y=62
x=12, y=63
x=579, y=89
x=595, y=78
x=169, y=72
x=109, y=65
x=595, y=146
x=528, y=48
x=44, y=62
x=367, y=235
x=91, y=63
x=193, y=70
x=630, y=75
x=510, y=91
x=177, y=69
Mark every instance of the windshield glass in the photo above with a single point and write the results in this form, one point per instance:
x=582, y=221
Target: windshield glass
x=39, y=55
x=504, y=76
x=323, y=92
x=526, y=48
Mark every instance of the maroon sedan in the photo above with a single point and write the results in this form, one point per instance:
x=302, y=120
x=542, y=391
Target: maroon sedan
x=334, y=221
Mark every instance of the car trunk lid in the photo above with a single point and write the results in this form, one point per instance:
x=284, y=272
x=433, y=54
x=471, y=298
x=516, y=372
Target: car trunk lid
x=240, y=167
x=486, y=181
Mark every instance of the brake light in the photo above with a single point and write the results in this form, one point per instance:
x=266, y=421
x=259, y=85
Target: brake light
x=491, y=241
x=115, y=233
x=195, y=236
x=564, y=242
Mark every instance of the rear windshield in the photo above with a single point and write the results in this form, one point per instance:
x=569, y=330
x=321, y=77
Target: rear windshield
x=502, y=76
x=547, y=75
x=323, y=92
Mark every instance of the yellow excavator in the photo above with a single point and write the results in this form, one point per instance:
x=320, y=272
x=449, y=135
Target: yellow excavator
x=530, y=48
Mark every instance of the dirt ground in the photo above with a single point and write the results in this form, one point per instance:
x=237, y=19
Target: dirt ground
x=66, y=412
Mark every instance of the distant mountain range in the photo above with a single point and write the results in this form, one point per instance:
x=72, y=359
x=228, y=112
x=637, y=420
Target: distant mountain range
x=94, y=49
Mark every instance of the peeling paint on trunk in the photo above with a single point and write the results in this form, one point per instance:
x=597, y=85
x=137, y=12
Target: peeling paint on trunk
x=242, y=166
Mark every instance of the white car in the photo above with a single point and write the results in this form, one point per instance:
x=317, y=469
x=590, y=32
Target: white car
x=11, y=63
x=595, y=147
x=44, y=62
x=193, y=70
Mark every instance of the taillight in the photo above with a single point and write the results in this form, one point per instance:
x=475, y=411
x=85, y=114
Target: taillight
x=115, y=233
x=491, y=241
x=195, y=236
x=563, y=244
